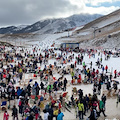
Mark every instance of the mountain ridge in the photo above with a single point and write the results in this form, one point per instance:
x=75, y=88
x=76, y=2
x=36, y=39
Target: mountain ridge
x=52, y=25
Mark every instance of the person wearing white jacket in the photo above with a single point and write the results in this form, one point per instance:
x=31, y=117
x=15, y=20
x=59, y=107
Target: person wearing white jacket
x=46, y=114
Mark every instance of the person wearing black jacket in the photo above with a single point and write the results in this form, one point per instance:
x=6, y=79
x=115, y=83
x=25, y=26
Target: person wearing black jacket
x=108, y=86
x=42, y=85
x=93, y=114
x=99, y=88
x=31, y=117
x=23, y=92
x=115, y=86
x=14, y=69
x=80, y=92
x=50, y=111
x=65, y=83
x=37, y=90
x=29, y=90
x=15, y=113
x=9, y=77
x=13, y=93
x=103, y=98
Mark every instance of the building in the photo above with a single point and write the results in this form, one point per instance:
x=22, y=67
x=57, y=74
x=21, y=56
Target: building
x=70, y=45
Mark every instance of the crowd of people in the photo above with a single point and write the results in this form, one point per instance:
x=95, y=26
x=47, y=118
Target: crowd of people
x=28, y=99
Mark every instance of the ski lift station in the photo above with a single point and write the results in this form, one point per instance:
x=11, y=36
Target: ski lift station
x=70, y=45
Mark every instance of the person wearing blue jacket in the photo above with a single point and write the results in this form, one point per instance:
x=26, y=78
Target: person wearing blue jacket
x=19, y=91
x=60, y=115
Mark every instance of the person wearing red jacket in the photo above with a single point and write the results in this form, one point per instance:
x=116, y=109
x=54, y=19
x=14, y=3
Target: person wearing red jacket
x=106, y=68
x=79, y=78
x=59, y=105
x=115, y=72
x=75, y=63
x=97, y=71
x=93, y=74
x=5, y=116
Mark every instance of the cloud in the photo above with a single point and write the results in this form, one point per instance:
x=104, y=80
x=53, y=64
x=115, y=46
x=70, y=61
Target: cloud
x=16, y=12
x=97, y=2
x=27, y=11
x=101, y=10
x=93, y=7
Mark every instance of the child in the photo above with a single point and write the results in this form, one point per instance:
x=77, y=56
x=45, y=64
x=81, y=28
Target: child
x=6, y=116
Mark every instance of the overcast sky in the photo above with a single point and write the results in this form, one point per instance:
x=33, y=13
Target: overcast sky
x=18, y=12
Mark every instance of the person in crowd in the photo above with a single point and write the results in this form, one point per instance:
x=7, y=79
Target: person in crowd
x=55, y=113
x=102, y=108
x=93, y=114
x=80, y=109
x=65, y=84
x=60, y=115
x=6, y=115
x=46, y=114
x=103, y=98
x=15, y=113
x=48, y=87
x=115, y=73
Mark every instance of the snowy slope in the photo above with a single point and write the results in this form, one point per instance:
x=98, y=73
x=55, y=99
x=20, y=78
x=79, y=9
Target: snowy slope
x=104, y=31
x=104, y=20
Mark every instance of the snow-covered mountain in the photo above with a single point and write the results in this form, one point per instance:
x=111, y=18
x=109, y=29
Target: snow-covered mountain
x=52, y=25
x=20, y=27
